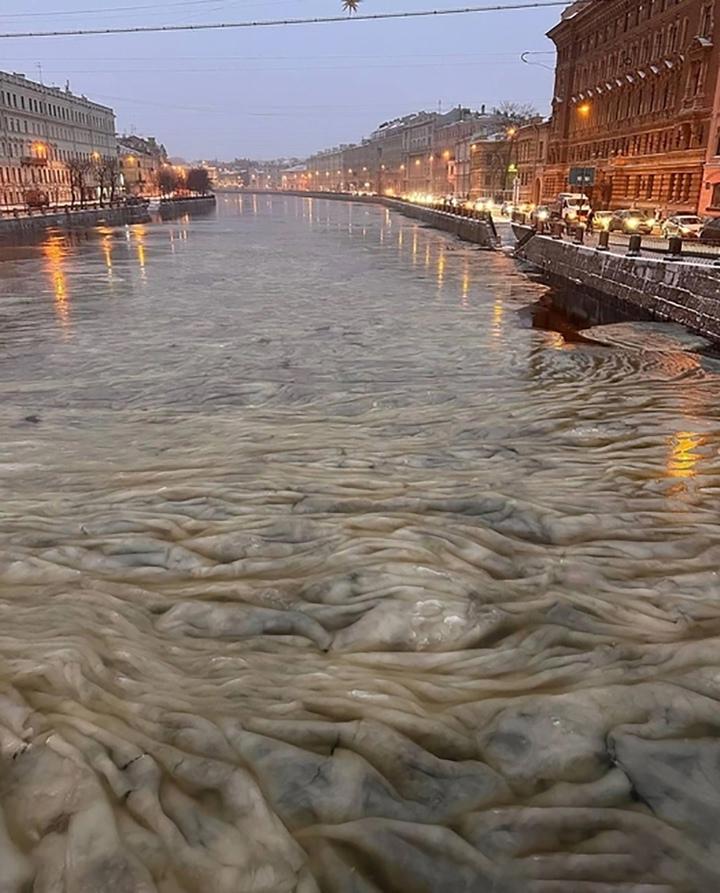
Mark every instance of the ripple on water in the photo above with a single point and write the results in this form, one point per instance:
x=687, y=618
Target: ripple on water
x=321, y=570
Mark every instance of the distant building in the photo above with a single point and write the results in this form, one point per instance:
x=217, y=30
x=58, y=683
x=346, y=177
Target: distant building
x=141, y=160
x=452, y=138
x=43, y=132
x=490, y=159
x=426, y=152
x=636, y=105
x=295, y=177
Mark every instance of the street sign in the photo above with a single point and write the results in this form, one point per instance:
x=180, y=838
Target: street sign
x=582, y=176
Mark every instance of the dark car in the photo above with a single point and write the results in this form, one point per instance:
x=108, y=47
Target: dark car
x=36, y=198
x=631, y=221
x=711, y=231
x=136, y=201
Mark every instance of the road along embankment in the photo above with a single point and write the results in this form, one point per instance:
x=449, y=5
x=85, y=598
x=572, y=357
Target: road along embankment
x=645, y=287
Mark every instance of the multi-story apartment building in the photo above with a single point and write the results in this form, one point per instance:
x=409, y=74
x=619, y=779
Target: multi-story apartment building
x=636, y=103
x=529, y=156
x=325, y=169
x=424, y=153
x=451, y=143
x=490, y=160
x=141, y=160
x=44, y=131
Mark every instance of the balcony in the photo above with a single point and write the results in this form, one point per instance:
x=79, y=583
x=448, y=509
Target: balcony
x=34, y=161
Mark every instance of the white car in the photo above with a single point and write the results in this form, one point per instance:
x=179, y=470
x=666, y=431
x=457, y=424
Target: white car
x=687, y=226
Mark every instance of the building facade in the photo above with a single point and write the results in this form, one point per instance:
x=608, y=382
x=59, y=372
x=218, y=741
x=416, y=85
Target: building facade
x=51, y=142
x=529, y=157
x=141, y=160
x=490, y=161
x=424, y=153
x=636, y=104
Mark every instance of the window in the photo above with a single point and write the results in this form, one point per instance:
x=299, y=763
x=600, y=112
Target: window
x=707, y=24
x=715, y=201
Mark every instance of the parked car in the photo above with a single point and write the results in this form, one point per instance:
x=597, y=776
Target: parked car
x=601, y=219
x=631, y=221
x=687, y=226
x=572, y=207
x=541, y=214
x=136, y=200
x=37, y=198
x=484, y=204
x=711, y=231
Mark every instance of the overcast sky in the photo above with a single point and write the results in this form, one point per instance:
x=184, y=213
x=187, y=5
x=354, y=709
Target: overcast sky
x=278, y=91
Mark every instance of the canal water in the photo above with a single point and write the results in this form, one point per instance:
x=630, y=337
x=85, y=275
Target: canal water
x=323, y=567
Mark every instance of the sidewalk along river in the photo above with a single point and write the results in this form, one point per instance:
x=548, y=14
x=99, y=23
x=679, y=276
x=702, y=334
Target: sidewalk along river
x=323, y=569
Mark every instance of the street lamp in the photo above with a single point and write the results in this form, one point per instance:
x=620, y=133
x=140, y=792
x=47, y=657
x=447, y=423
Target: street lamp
x=584, y=109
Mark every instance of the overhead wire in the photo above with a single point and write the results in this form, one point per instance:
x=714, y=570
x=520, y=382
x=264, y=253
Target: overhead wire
x=274, y=23
x=111, y=10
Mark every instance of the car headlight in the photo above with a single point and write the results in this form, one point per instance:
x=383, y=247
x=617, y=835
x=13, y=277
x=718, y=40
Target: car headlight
x=543, y=215
x=633, y=223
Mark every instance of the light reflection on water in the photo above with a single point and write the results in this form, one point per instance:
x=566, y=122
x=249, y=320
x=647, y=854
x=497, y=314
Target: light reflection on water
x=310, y=580
x=55, y=252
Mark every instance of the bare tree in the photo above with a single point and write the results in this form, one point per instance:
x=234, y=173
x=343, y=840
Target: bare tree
x=78, y=169
x=107, y=171
x=168, y=180
x=515, y=113
x=350, y=6
x=198, y=180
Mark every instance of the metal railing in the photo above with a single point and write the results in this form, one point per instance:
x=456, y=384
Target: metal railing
x=635, y=244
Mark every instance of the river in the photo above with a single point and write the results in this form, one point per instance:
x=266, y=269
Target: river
x=323, y=567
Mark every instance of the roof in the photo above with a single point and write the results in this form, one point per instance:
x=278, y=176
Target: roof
x=570, y=12
x=19, y=80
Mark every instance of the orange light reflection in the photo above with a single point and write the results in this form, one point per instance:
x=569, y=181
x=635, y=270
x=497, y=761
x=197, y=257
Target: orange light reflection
x=54, y=252
x=683, y=459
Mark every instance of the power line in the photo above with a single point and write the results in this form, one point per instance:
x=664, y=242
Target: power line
x=110, y=9
x=358, y=66
x=227, y=26
x=514, y=54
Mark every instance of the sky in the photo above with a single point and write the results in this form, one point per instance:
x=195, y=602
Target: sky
x=286, y=91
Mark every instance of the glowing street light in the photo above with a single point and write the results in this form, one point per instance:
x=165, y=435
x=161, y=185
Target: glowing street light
x=584, y=109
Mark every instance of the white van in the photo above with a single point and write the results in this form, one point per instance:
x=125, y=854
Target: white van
x=571, y=206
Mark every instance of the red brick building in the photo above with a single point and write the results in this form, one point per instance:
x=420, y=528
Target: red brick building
x=636, y=101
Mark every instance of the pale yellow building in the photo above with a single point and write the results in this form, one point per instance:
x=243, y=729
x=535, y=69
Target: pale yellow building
x=44, y=131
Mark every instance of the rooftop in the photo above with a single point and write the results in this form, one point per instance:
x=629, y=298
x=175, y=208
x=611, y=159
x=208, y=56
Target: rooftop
x=20, y=80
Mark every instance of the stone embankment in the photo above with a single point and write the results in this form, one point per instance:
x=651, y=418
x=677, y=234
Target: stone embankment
x=28, y=227
x=200, y=204
x=468, y=228
x=681, y=291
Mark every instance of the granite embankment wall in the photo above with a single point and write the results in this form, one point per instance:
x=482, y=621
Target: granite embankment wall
x=19, y=228
x=642, y=287
x=29, y=227
x=465, y=228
